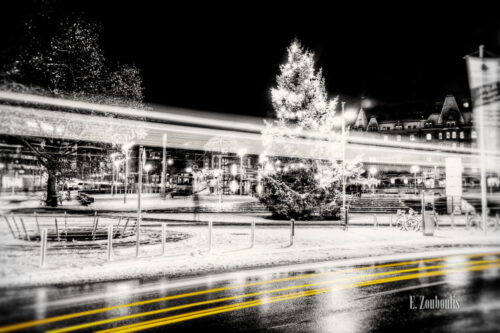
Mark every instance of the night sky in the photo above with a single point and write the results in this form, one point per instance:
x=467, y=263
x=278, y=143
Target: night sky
x=225, y=58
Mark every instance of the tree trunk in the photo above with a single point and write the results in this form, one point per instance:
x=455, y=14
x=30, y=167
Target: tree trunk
x=51, y=190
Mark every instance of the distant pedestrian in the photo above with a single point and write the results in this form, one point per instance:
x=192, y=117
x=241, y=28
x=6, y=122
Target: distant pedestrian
x=212, y=185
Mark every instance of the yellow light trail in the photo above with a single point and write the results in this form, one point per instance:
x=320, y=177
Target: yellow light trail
x=207, y=312
x=263, y=292
x=49, y=320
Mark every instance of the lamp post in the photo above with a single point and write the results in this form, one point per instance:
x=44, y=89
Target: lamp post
x=349, y=115
x=414, y=169
x=373, y=171
x=113, y=160
x=164, y=169
x=116, y=168
x=2, y=166
x=241, y=153
x=126, y=151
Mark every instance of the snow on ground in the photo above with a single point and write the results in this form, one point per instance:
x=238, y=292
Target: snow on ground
x=68, y=263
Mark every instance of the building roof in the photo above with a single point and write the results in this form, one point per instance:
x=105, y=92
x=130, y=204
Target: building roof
x=416, y=111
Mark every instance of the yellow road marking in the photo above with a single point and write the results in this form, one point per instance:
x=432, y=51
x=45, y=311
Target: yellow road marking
x=227, y=308
x=32, y=323
x=184, y=306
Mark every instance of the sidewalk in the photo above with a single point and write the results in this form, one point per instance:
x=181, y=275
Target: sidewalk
x=187, y=252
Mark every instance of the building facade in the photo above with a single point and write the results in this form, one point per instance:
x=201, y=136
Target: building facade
x=448, y=123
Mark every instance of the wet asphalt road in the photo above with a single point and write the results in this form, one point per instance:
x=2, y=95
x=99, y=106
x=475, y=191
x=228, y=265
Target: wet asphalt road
x=372, y=297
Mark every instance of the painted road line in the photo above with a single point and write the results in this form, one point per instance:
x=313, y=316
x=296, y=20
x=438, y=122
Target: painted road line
x=33, y=323
x=185, y=306
x=203, y=313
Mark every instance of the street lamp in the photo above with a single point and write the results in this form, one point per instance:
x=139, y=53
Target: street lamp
x=373, y=171
x=126, y=151
x=241, y=153
x=113, y=157
x=349, y=115
x=414, y=169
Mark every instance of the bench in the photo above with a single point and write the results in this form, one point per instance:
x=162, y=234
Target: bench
x=85, y=199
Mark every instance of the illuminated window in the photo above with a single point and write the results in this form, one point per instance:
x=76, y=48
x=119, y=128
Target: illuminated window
x=412, y=137
x=447, y=135
x=440, y=136
x=453, y=135
x=473, y=135
x=462, y=136
x=428, y=136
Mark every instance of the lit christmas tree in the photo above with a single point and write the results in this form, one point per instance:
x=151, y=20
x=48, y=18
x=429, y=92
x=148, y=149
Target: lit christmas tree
x=297, y=188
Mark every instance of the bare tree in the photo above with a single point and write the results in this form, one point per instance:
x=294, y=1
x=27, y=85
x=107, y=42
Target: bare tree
x=71, y=66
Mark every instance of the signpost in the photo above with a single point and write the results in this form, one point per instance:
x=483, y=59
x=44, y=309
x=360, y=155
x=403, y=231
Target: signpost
x=484, y=82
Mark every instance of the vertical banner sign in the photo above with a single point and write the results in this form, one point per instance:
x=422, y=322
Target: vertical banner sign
x=484, y=82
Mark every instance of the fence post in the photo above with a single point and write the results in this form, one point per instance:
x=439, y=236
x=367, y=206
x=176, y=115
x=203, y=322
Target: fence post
x=292, y=231
x=37, y=224
x=163, y=237
x=110, y=241
x=252, y=234
x=209, y=235
x=43, y=247
x=24, y=228
x=57, y=230
x=65, y=226
x=10, y=228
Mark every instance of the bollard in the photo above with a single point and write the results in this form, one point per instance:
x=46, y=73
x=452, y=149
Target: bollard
x=163, y=237
x=10, y=228
x=292, y=231
x=57, y=230
x=209, y=235
x=43, y=247
x=65, y=226
x=110, y=241
x=37, y=224
x=24, y=228
x=252, y=234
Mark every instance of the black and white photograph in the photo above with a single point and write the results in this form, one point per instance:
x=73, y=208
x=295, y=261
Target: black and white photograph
x=249, y=167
